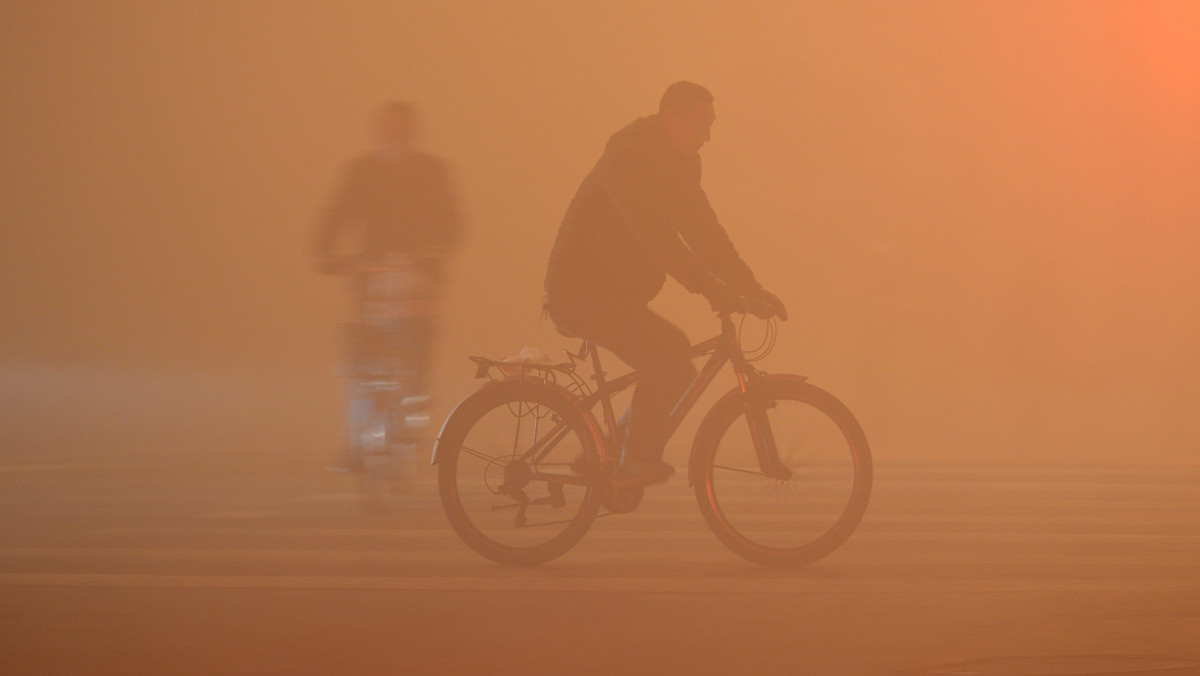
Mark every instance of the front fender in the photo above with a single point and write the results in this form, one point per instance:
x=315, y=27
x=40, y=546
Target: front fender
x=733, y=397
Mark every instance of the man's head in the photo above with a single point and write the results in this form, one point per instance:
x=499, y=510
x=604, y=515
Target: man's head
x=687, y=113
x=396, y=126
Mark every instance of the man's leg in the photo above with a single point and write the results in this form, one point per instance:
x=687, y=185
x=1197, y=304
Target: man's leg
x=658, y=349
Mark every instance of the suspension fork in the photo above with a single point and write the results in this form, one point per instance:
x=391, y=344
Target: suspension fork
x=757, y=404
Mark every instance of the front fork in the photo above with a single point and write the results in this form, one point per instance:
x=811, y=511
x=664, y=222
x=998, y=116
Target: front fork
x=763, y=437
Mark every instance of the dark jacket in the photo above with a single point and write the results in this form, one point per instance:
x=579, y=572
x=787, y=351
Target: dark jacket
x=401, y=206
x=638, y=216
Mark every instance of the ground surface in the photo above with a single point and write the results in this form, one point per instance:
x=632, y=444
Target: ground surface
x=149, y=568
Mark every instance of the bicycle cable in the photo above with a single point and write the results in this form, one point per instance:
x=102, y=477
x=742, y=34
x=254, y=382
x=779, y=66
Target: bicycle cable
x=765, y=347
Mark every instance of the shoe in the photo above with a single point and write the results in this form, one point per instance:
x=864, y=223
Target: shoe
x=638, y=473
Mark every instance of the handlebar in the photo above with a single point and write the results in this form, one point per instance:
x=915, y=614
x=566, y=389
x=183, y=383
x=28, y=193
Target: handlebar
x=362, y=263
x=731, y=332
x=762, y=304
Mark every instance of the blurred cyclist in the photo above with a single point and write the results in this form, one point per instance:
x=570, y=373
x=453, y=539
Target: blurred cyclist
x=396, y=206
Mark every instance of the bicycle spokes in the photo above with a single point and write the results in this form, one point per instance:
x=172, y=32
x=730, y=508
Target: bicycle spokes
x=517, y=475
x=792, y=497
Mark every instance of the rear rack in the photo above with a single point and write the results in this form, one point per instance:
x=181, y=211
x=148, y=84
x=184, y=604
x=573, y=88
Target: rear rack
x=562, y=374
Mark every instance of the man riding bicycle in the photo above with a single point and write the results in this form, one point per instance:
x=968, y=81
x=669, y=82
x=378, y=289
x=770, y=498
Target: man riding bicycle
x=639, y=215
x=397, y=203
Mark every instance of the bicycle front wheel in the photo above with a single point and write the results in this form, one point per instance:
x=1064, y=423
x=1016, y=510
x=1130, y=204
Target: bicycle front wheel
x=517, y=468
x=803, y=512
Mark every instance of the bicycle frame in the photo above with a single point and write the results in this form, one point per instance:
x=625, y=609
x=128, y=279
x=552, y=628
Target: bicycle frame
x=720, y=349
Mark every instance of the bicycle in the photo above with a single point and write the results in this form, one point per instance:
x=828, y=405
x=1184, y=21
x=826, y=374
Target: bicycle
x=785, y=487
x=388, y=416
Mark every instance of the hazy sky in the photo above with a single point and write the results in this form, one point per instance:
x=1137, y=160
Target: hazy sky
x=981, y=215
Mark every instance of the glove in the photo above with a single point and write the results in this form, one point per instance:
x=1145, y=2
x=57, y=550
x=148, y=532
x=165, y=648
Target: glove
x=723, y=299
x=764, y=304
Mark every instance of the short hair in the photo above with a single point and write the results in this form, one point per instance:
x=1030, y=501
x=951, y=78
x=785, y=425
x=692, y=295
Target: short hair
x=397, y=107
x=684, y=96
x=401, y=109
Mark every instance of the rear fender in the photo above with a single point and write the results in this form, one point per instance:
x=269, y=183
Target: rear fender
x=589, y=420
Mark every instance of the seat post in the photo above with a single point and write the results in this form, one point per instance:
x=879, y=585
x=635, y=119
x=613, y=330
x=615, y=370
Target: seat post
x=597, y=370
x=615, y=435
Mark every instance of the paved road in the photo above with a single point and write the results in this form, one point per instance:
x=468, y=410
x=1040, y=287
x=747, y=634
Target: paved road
x=151, y=569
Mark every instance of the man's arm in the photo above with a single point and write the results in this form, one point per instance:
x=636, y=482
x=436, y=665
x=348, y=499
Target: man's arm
x=663, y=202
x=698, y=226
x=645, y=190
x=708, y=239
x=447, y=222
x=336, y=215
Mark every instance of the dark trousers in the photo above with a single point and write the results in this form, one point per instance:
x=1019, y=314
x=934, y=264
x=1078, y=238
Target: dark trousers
x=656, y=348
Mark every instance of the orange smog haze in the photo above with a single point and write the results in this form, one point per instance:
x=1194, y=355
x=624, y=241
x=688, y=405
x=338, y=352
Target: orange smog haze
x=981, y=216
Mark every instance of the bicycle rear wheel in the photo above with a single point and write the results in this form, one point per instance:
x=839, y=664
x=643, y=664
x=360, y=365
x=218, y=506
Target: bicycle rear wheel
x=517, y=468
x=776, y=521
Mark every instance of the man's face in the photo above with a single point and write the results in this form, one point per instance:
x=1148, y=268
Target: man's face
x=395, y=129
x=689, y=129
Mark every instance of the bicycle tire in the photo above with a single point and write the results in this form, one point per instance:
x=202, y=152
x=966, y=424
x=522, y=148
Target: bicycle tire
x=472, y=511
x=377, y=461
x=845, y=458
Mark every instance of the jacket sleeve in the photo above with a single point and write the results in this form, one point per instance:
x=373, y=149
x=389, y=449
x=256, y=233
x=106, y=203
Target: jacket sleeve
x=447, y=220
x=661, y=201
x=339, y=213
x=698, y=225
x=642, y=188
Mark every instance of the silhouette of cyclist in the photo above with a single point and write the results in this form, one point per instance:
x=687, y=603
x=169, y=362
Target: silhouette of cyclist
x=639, y=215
x=397, y=204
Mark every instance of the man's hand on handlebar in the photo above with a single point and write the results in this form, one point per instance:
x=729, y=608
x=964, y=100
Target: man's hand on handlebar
x=764, y=304
x=723, y=299
x=337, y=264
x=758, y=301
